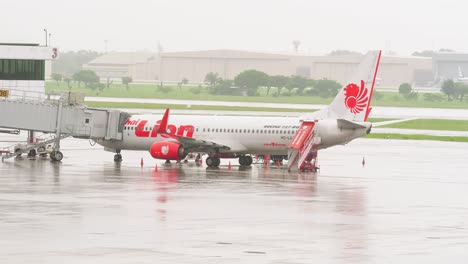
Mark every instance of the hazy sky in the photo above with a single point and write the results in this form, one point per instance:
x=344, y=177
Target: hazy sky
x=401, y=25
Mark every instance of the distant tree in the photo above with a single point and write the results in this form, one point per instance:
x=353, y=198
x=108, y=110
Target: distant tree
x=430, y=53
x=225, y=87
x=461, y=89
x=343, y=52
x=71, y=61
x=87, y=77
x=77, y=78
x=309, y=90
x=126, y=81
x=57, y=77
x=310, y=83
x=296, y=44
x=109, y=82
x=405, y=88
x=68, y=80
x=446, y=50
x=278, y=81
x=326, y=88
x=424, y=53
x=251, y=80
x=297, y=82
x=448, y=88
x=212, y=78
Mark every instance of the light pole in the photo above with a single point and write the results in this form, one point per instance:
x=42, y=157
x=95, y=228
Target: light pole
x=45, y=30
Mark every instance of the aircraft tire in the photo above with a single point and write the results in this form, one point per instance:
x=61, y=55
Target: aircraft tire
x=32, y=153
x=117, y=157
x=58, y=156
x=210, y=162
x=248, y=160
x=242, y=161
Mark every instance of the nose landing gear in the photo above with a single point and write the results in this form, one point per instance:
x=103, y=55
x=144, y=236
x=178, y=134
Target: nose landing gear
x=118, y=156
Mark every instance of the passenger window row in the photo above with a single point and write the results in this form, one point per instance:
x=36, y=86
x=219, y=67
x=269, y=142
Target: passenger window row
x=230, y=130
x=246, y=131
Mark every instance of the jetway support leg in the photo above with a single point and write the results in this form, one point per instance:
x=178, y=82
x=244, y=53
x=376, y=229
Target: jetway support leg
x=31, y=136
x=56, y=155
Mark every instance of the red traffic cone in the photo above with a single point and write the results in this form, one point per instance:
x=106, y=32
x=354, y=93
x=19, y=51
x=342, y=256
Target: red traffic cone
x=156, y=168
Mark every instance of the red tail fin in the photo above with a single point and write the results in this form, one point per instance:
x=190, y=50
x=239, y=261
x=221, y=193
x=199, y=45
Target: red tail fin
x=369, y=108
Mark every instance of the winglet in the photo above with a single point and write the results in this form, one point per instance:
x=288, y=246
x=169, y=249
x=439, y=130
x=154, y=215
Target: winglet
x=163, y=125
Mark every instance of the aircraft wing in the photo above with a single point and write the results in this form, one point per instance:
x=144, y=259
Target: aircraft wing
x=197, y=145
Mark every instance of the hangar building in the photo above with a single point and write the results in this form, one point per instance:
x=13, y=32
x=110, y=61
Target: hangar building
x=172, y=67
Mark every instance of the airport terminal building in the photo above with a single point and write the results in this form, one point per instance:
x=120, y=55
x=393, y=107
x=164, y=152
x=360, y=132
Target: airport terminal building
x=172, y=67
x=24, y=67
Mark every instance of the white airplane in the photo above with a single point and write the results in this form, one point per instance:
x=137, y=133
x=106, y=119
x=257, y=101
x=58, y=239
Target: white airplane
x=241, y=136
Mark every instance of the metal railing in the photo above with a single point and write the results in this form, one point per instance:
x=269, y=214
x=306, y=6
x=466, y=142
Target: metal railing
x=23, y=95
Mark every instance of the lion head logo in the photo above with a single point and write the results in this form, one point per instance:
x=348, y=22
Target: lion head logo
x=165, y=150
x=356, y=97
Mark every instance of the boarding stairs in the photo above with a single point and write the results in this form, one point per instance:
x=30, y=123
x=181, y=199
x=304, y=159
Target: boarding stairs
x=40, y=142
x=303, y=148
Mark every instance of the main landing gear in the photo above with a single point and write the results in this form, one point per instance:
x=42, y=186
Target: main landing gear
x=213, y=161
x=245, y=160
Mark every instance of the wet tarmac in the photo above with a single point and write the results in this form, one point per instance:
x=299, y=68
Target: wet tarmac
x=407, y=204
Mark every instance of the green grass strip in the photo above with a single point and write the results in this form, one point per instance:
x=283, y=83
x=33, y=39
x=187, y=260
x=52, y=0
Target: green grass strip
x=416, y=137
x=432, y=124
x=376, y=120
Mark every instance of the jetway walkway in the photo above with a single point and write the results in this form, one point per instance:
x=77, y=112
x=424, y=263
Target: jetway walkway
x=63, y=115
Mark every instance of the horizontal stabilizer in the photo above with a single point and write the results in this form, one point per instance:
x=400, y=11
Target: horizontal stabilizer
x=346, y=124
x=391, y=122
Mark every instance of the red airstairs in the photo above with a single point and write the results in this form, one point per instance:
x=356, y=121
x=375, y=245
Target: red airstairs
x=303, y=148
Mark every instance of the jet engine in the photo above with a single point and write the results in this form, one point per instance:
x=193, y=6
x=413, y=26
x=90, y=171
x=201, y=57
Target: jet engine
x=167, y=150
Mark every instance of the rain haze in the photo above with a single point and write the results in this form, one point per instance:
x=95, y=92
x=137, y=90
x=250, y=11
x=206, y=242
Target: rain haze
x=211, y=131
x=321, y=26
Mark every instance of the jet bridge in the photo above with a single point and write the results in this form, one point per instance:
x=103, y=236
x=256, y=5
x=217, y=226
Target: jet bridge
x=63, y=115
